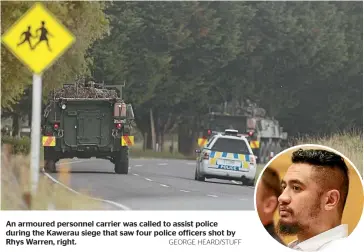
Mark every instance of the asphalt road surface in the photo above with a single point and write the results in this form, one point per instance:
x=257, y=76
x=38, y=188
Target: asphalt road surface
x=158, y=184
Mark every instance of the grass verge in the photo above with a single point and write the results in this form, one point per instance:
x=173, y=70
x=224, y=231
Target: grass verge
x=15, y=183
x=349, y=144
x=15, y=175
x=139, y=153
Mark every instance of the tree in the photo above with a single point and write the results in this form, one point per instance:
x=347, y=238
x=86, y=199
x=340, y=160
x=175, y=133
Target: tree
x=293, y=59
x=86, y=20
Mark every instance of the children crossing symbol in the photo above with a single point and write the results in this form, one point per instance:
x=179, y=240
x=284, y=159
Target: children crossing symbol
x=38, y=39
x=43, y=36
x=27, y=35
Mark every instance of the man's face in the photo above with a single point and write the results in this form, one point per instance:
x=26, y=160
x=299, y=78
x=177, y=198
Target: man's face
x=300, y=201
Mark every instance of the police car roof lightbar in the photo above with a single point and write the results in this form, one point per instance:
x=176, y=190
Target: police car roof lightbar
x=242, y=135
x=231, y=132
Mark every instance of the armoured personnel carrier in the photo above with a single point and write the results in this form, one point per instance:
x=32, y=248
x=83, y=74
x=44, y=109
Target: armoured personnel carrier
x=87, y=121
x=265, y=135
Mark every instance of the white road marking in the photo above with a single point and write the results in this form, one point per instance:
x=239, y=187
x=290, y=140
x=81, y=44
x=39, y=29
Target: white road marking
x=148, y=179
x=163, y=164
x=135, y=174
x=244, y=199
x=97, y=199
x=235, y=182
x=191, y=163
x=163, y=185
x=184, y=191
x=211, y=195
x=138, y=165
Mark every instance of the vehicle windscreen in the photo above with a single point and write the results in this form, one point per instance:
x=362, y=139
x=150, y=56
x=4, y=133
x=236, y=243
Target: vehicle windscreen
x=230, y=145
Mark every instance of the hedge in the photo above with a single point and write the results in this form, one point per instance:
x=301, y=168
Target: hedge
x=20, y=145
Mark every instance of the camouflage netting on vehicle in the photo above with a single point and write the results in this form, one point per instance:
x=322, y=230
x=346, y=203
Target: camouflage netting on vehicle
x=79, y=91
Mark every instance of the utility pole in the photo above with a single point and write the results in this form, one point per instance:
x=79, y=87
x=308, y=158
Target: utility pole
x=121, y=90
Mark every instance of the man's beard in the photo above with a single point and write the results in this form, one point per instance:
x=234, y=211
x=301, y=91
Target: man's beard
x=294, y=228
x=288, y=228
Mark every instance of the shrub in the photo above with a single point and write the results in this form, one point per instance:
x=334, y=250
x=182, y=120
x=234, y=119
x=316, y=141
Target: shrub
x=20, y=145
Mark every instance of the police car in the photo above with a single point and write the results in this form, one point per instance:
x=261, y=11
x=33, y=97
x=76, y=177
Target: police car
x=226, y=156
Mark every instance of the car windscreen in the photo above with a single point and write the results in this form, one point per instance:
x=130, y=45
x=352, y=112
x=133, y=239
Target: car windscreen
x=230, y=145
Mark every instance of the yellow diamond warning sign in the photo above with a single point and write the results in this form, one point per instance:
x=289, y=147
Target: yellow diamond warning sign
x=37, y=39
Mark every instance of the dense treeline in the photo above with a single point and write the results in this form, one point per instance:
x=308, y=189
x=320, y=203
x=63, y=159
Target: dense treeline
x=301, y=61
x=86, y=20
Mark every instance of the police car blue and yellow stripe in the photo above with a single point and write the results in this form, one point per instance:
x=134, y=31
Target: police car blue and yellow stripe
x=244, y=158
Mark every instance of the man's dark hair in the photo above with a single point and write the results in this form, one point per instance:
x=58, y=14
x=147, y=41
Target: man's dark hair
x=332, y=168
x=271, y=181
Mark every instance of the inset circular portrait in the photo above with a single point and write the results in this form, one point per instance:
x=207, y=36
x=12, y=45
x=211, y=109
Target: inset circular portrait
x=309, y=197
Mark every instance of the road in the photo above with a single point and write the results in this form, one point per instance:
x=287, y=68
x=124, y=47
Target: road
x=158, y=184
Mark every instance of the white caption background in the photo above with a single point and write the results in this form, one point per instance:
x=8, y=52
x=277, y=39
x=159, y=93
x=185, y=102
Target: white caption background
x=249, y=232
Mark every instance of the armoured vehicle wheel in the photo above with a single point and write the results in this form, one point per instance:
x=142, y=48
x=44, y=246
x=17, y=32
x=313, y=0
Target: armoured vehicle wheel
x=277, y=149
x=270, y=148
x=122, y=161
x=261, y=153
x=274, y=149
x=49, y=160
x=265, y=153
x=50, y=166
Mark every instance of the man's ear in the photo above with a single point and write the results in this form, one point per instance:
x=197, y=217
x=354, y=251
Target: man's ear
x=270, y=204
x=332, y=199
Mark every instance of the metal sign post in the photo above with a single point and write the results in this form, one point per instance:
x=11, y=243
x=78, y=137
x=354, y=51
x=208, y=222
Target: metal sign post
x=35, y=133
x=38, y=54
